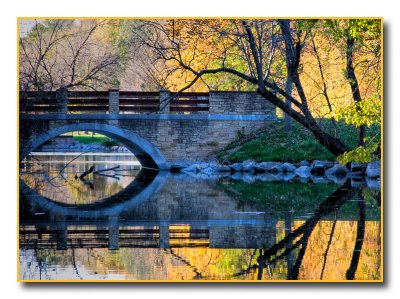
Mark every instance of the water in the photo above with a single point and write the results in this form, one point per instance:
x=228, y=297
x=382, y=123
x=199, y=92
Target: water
x=163, y=226
x=56, y=175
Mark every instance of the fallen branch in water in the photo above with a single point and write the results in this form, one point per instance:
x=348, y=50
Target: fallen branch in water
x=88, y=183
x=73, y=160
x=108, y=175
x=106, y=169
x=85, y=173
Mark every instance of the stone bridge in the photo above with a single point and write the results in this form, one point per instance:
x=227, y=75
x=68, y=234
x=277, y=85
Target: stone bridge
x=158, y=127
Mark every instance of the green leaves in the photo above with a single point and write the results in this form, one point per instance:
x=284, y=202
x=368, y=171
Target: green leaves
x=367, y=112
x=306, y=25
x=362, y=154
x=360, y=28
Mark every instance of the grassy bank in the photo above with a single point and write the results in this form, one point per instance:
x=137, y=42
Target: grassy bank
x=87, y=139
x=101, y=140
x=275, y=143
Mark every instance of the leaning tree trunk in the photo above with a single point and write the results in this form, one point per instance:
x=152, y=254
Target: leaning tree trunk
x=286, y=118
x=332, y=144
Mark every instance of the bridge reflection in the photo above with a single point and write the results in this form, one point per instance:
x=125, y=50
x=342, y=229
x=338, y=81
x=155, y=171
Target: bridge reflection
x=63, y=236
x=160, y=211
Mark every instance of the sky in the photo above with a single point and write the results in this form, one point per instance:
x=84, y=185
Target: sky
x=25, y=26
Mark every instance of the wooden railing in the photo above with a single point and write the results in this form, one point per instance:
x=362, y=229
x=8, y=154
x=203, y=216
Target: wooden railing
x=33, y=101
x=88, y=101
x=127, y=237
x=191, y=102
x=113, y=101
x=138, y=101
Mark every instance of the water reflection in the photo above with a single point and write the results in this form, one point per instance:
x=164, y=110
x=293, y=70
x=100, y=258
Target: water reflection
x=79, y=178
x=179, y=227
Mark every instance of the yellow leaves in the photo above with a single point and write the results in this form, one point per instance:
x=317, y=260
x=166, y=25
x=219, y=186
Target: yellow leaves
x=340, y=251
x=324, y=72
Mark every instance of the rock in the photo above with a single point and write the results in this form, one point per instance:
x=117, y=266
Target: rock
x=215, y=169
x=303, y=171
x=248, y=178
x=223, y=168
x=340, y=180
x=358, y=183
x=190, y=169
x=196, y=167
x=357, y=175
x=267, y=177
x=248, y=166
x=209, y=171
x=304, y=163
x=318, y=167
x=278, y=167
x=373, y=184
x=374, y=170
x=237, y=167
x=319, y=179
x=237, y=176
x=289, y=167
x=337, y=170
x=202, y=165
x=304, y=180
x=265, y=166
x=204, y=176
x=358, y=167
x=179, y=165
x=288, y=176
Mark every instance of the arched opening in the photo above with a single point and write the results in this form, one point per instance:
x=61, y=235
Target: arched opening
x=148, y=155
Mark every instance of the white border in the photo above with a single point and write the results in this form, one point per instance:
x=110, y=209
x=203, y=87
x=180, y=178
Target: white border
x=9, y=12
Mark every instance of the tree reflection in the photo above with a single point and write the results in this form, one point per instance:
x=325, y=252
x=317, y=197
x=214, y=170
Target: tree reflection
x=329, y=245
x=285, y=248
x=359, y=239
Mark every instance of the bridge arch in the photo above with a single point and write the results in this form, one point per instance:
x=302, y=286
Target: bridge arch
x=147, y=154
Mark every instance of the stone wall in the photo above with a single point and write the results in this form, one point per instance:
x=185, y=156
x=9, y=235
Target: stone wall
x=239, y=102
x=178, y=137
x=192, y=140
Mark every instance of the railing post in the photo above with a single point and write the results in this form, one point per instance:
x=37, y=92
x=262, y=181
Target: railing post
x=164, y=101
x=113, y=101
x=215, y=106
x=62, y=100
x=164, y=236
x=113, y=237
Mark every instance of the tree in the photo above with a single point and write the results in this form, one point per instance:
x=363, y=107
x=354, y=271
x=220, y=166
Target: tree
x=66, y=54
x=255, y=52
x=362, y=39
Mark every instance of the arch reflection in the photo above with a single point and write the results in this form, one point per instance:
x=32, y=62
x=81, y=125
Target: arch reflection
x=141, y=189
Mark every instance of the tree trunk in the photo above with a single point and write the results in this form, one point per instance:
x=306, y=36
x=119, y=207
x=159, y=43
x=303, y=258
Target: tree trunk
x=332, y=144
x=287, y=119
